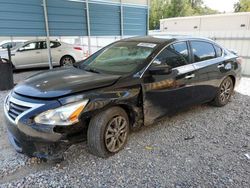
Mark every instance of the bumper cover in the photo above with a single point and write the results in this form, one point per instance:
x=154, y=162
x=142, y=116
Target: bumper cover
x=34, y=146
x=32, y=139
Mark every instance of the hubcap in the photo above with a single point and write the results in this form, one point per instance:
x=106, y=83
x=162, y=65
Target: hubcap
x=116, y=134
x=67, y=61
x=225, y=91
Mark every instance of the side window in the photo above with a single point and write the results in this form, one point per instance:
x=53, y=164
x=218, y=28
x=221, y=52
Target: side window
x=182, y=49
x=43, y=45
x=218, y=51
x=30, y=46
x=202, y=51
x=54, y=44
x=174, y=55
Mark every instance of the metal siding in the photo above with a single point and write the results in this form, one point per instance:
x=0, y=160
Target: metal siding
x=135, y=21
x=21, y=18
x=104, y=19
x=66, y=18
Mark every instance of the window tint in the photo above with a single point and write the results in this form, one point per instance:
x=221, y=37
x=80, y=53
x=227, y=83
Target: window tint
x=202, y=51
x=30, y=46
x=43, y=45
x=174, y=56
x=218, y=51
x=182, y=49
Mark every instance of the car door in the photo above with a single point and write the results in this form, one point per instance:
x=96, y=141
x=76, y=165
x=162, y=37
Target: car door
x=55, y=52
x=208, y=62
x=29, y=55
x=166, y=92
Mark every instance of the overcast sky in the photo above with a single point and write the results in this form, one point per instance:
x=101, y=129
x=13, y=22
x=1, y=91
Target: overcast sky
x=221, y=5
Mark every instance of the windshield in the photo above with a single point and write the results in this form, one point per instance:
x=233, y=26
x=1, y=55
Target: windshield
x=119, y=58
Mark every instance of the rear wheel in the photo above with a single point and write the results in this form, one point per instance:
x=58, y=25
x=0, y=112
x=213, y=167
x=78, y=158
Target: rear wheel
x=67, y=61
x=108, y=132
x=224, y=93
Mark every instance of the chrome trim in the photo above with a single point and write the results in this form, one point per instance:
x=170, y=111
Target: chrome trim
x=221, y=65
x=206, y=62
x=184, y=69
x=190, y=76
x=32, y=106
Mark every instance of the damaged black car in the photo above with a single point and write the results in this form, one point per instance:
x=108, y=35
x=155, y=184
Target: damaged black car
x=127, y=85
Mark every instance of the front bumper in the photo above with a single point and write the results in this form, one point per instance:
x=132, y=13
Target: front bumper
x=30, y=138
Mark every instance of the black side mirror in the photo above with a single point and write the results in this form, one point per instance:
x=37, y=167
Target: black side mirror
x=160, y=70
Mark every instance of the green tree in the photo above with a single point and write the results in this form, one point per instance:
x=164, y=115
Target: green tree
x=242, y=6
x=157, y=12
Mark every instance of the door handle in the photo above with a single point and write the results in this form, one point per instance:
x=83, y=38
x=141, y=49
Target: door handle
x=190, y=76
x=220, y=66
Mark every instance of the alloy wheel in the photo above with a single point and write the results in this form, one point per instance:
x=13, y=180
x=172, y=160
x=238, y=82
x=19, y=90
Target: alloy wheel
x=67, y=61
x=116, y=134
x=225, y=91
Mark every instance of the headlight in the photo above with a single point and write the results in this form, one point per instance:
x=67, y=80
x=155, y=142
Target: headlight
x=65, y=115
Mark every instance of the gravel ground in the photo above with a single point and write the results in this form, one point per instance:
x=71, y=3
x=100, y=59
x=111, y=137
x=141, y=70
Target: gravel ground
x=200, y=147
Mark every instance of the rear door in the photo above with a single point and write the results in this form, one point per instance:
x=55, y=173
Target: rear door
x=56, y=53
x=29, y=55
x=168, y=93
x=209, y=64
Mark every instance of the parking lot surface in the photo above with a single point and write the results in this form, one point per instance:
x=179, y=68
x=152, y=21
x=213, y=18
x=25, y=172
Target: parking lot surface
x=203, y=146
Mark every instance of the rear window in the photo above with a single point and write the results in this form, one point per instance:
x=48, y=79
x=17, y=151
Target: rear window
x=202, y=51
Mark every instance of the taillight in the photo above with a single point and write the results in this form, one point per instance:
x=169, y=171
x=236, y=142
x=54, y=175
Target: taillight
x=239, y=60
x=77, y=48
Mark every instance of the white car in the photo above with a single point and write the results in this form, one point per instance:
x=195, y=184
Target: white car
x=33, y=54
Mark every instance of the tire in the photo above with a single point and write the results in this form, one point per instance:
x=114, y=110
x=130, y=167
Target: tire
x=102, y=138
x=224, y=93
x=67, y=61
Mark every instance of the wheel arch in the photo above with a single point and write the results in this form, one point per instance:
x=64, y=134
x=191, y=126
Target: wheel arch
x=233, y=79
x=67, y=55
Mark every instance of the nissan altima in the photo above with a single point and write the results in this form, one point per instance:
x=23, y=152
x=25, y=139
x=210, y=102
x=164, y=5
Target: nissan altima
x=127, y=85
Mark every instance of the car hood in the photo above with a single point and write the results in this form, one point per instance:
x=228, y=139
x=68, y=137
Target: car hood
x=63, y=81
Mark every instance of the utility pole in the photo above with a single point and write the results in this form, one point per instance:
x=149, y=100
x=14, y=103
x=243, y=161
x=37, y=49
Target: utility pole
x=47, y=33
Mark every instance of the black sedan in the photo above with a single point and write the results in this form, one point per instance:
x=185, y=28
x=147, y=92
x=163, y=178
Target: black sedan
x=126, y=85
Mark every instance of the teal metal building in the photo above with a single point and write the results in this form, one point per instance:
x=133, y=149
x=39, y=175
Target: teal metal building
x=73, y=17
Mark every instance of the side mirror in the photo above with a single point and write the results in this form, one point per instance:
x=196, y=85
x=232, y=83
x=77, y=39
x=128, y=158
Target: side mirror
x=160, y=70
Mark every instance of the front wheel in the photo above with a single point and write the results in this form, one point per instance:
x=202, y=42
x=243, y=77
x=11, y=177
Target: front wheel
x=224, y=93
x=108, y=132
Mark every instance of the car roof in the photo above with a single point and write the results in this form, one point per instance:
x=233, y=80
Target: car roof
x=40, y=40
x=160, y=39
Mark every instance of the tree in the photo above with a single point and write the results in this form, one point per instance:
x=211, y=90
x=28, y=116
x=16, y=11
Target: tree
x=157, y=12
x=242, y=6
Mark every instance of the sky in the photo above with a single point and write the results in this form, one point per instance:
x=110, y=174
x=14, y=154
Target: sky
x=221, y=5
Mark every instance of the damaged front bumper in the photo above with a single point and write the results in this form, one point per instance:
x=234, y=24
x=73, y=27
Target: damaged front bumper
x=30, y=138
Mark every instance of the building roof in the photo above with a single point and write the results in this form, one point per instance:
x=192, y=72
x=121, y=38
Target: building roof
x=209, y=16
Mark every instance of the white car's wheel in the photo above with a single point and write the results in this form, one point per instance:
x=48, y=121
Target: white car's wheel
x=67, y=61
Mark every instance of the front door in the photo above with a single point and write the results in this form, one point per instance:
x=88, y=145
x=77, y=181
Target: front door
x=169, y=92
x=27, y=56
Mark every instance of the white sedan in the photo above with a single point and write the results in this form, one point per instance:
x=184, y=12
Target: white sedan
x=33, y=54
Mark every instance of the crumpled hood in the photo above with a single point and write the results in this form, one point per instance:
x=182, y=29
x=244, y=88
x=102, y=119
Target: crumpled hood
x=63, y=81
